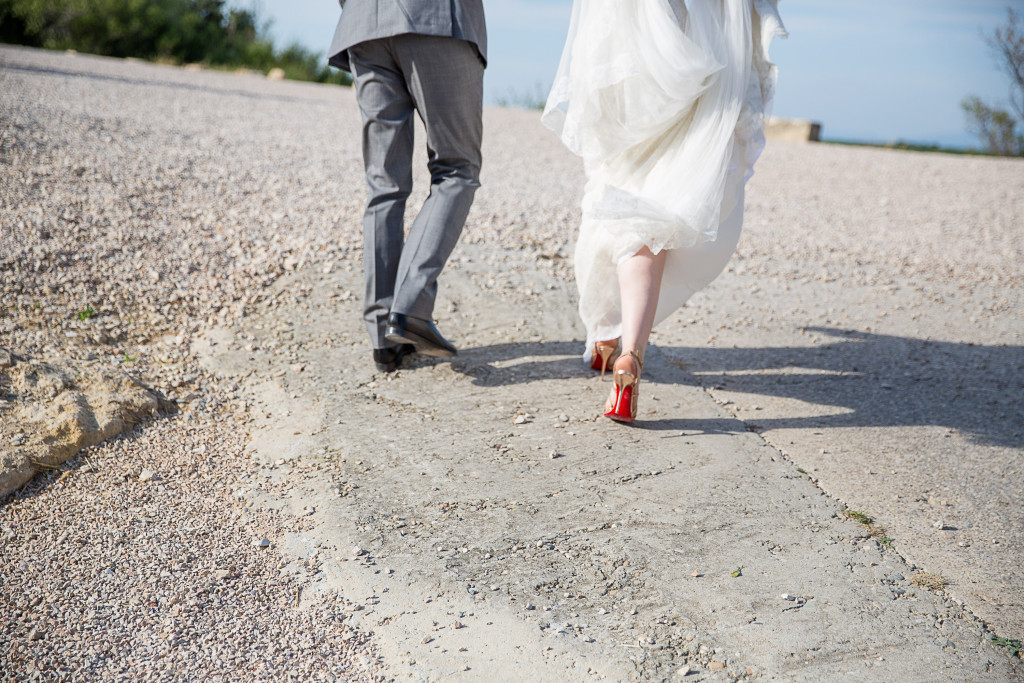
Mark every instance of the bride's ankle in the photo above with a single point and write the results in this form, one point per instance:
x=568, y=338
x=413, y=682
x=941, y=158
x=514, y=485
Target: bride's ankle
x=630, y=361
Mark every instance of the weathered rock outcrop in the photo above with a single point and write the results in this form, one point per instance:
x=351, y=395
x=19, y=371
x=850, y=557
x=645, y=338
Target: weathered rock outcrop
x=53, y=411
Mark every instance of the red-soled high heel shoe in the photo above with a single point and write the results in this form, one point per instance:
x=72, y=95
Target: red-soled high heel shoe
x=604, y=355
x=622, y=403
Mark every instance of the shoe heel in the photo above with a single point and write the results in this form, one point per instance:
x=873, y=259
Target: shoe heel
x=602, y=355
x=623, y=411
x=627, y=386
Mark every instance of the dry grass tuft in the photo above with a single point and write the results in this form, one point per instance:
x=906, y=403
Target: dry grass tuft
x=930, y=581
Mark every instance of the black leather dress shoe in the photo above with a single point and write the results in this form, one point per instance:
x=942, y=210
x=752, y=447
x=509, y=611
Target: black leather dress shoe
x=388, y=360
x=422, y=334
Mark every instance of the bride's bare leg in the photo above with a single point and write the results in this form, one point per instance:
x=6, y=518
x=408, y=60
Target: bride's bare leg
x=639, y=287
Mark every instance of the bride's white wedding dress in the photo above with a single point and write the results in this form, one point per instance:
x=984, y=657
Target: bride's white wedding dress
x=665, y=100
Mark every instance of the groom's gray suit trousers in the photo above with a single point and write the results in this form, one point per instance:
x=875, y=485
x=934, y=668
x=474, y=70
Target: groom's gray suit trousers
x=442, y=79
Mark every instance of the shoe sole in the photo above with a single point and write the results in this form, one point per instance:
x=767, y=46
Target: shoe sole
x=422, y=345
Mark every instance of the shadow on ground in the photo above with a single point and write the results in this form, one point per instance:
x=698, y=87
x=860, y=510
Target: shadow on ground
x=880, y=380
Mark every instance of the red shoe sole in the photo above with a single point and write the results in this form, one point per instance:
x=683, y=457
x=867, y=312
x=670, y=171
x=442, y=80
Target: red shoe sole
x=623, y=401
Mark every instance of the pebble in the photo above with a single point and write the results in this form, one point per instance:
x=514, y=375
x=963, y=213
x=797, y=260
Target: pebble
x=146, y=475
x=262, y=543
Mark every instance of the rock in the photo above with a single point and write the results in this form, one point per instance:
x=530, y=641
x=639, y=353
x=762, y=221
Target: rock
x=65, y=409
x=787, y=596
x=358, y=552
x=262, y=543
x=222, y=574
x=146, y=475
x=715, y=665
x=276, y=74
x=520, y=419
x=17, y=439
x=35, y=634
x=6, y=360
x=426, y=639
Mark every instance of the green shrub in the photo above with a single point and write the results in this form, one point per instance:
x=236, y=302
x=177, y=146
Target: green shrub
x=178, y=31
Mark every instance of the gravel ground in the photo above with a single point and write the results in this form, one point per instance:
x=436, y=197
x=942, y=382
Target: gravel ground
x=105, y=205
x=169, y=202
x=132, y=563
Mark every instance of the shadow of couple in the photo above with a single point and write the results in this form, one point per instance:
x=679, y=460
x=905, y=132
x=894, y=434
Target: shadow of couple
x=880, y=380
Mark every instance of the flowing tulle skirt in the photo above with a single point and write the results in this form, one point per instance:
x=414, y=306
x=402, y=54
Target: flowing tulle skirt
x=666, y=102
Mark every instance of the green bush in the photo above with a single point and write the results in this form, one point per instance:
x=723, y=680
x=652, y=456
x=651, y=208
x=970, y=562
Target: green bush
x=179, y=31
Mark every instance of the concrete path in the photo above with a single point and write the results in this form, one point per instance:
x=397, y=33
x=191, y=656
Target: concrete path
x=504, y=530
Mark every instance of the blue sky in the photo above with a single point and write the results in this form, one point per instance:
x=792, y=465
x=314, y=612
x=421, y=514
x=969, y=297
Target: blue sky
x=870, y=70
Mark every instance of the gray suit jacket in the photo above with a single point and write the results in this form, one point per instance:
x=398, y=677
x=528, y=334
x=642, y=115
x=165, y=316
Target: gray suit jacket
x=363, y=20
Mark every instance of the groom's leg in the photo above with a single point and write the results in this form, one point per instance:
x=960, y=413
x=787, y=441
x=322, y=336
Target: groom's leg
x=387, y=110
x=445, y=79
